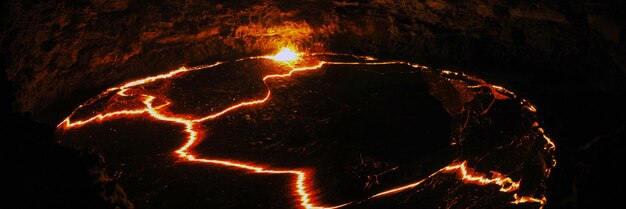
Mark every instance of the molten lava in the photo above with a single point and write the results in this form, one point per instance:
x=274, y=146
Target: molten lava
x=293, y=60
x=286, y=54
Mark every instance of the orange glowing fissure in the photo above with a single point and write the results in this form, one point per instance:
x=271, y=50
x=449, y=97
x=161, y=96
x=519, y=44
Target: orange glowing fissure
x=290, y=58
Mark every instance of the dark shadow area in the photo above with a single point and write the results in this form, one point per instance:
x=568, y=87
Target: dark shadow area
x=46, y=174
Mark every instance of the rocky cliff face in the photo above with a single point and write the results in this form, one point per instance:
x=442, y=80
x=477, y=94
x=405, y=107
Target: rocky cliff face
x=569, y=57
x=58, y=51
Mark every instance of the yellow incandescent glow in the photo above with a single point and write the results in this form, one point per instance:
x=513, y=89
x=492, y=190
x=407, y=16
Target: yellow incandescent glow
x=286, y=54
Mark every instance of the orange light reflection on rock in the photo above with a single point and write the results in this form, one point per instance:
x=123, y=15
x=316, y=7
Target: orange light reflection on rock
x=526, y=199
x=469, y=176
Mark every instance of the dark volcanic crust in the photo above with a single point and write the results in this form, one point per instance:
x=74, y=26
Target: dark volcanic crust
x=357, y=129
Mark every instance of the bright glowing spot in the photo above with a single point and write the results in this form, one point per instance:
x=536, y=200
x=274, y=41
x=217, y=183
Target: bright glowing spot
x=286, y=55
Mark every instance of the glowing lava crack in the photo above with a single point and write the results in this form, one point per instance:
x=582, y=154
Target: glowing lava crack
x=294, y=60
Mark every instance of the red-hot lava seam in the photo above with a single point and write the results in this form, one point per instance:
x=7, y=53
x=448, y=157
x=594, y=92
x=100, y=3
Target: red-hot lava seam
x=466, y=174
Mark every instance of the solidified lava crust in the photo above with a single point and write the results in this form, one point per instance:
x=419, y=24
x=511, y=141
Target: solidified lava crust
x=321, y=130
